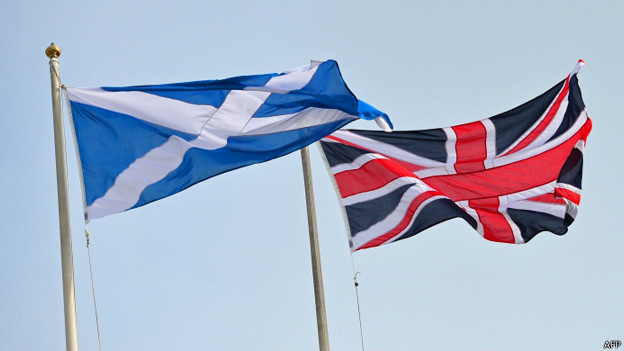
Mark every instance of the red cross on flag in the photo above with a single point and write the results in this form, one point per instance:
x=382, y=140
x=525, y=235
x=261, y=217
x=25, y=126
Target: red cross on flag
x=510, y=176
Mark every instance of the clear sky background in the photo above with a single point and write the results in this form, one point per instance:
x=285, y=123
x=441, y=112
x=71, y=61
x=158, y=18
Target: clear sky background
x=225, y=265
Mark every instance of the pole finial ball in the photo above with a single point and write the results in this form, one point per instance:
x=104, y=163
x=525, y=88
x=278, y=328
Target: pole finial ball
x=53, y=51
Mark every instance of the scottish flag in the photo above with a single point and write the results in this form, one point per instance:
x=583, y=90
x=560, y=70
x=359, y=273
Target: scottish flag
x=143, y=143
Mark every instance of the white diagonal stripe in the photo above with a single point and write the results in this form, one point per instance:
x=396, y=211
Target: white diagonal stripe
x=569, y=187
x=173, y=114
x=294, y=80
x=155, y=165
x=557, y=210
x=385, y=149
x=152, y=167
x=393, y=219
x=415, y=216
x=232, y=118
x=384, y=190
x=535, y=124
x=524, y=154
x=309, y=117
x=533, y=192
x=552, y=127
x=357, y=163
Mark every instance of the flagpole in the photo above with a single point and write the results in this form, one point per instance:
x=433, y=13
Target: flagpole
x=317, y=275
x=69, y=296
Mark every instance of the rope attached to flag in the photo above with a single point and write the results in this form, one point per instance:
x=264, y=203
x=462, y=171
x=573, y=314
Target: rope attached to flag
x=357, y=299
x=97, y=320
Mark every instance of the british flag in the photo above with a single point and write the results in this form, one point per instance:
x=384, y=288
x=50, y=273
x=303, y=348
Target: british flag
x=510, y=176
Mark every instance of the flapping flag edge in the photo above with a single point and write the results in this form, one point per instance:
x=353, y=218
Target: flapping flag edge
x=581, y=133
x=278, y=88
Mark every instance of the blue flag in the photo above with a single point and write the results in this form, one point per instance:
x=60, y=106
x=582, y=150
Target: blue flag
x=143, y=143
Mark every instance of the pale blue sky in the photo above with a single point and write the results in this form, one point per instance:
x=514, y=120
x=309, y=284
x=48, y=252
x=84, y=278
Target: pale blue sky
x=225, y=264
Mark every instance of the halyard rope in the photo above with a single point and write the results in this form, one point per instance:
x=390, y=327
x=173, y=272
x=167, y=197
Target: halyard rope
x=97, y=320
x=357, y=298
x=65, y=101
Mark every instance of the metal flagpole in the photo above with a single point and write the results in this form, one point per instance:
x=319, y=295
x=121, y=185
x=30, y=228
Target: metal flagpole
x=317, y=275
x=69, y=297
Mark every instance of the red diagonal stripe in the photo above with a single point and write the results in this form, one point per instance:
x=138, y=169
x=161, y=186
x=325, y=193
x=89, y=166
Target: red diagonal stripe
x=568, y=194
x=412, y=167
x=548, y=198
x=372, y=175
x=545, y=122
x=512, y=178
x=407, y=219
x=470, y=147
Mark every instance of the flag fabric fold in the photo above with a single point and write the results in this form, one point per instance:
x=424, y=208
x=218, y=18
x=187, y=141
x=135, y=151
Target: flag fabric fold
x=509, y=176
x=143, y=143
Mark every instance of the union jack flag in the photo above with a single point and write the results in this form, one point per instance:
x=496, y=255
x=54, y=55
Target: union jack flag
x=510, y=176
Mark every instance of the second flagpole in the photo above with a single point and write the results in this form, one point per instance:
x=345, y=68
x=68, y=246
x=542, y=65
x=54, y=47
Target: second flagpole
x=317, y=275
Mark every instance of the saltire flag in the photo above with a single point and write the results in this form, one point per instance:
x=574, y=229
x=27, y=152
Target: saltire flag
x=142, y=143
x=510, y=176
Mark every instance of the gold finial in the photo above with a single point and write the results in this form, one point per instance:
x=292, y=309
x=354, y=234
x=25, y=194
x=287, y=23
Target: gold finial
x=53, y=51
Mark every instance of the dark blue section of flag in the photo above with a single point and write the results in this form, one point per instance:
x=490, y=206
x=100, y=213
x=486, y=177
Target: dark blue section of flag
x=512, y=124
x=327, y=81
x=196, y=92
x=364, y=214
x=426, y=143
x=572, y=170
x=347, y=153
x=111, y=141
x=575, y=106
x=241, y=151
x=435, y=212
x=531, y=223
